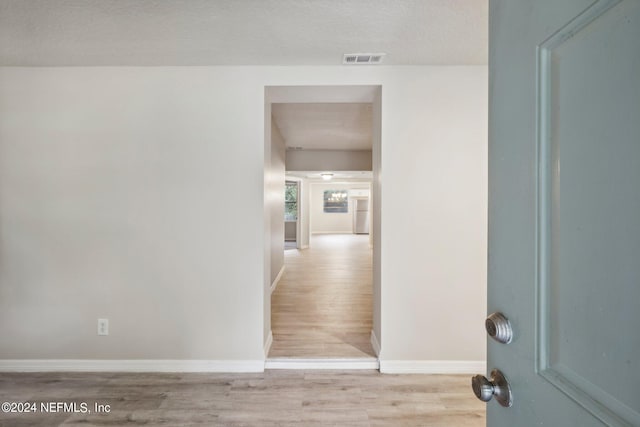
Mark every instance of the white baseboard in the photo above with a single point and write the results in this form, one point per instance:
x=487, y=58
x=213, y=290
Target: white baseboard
x=274, y=285
x=267, y=345
x=292, y=363
x=74, y=365
x=433, y=366
x=304, y=247
x=375, y=344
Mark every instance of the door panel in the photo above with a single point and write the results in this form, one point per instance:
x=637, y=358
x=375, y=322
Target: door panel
x=564, y=210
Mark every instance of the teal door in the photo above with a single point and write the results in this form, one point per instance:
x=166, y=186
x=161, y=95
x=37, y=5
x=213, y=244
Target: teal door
x=564, y=211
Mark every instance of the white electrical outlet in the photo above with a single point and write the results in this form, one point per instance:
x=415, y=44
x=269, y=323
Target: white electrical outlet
x=103, y=326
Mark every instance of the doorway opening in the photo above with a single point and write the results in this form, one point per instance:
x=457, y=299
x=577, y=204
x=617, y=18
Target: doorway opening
x=322, y=150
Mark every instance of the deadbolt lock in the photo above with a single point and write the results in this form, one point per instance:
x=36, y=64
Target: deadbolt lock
x=499, y=328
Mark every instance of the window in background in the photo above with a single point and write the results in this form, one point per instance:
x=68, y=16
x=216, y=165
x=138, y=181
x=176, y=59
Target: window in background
x=291, y=201
x=336, y=201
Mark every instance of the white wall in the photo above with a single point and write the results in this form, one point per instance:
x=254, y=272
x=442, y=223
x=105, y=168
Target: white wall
x=305, y=217
x=334, y=222
x=329, y=160
x=434, y=207
x=133, y=194
x=275, y=197
x=137, y=194
x=376, y=217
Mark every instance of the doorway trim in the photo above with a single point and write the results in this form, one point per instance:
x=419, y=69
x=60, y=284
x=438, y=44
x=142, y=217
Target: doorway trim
x=327, y=94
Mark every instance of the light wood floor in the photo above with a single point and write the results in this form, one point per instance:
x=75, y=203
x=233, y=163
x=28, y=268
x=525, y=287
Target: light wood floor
x=322, y=307
x=273, y=398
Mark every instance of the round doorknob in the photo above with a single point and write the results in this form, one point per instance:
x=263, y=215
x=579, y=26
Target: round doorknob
x=498, y=387
x=482, y=387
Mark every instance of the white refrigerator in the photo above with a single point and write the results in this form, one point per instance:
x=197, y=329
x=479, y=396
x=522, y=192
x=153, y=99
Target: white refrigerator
x=361, y=219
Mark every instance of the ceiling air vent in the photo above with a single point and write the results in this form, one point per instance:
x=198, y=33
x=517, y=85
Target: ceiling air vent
x=362, y=58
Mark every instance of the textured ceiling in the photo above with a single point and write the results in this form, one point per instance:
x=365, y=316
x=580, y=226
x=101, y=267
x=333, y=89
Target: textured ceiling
x=336, y=126
x=240, y=32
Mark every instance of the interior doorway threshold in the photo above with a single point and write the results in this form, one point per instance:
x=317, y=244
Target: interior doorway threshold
x=360, y=363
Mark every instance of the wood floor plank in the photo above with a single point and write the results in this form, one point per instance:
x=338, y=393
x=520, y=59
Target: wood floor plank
x=322, y=307
x=272, y=398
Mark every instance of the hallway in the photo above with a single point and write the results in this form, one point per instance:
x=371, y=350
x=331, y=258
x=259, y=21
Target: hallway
x=322, y=307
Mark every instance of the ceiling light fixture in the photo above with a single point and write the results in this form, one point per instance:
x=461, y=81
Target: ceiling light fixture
x=326, y=176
